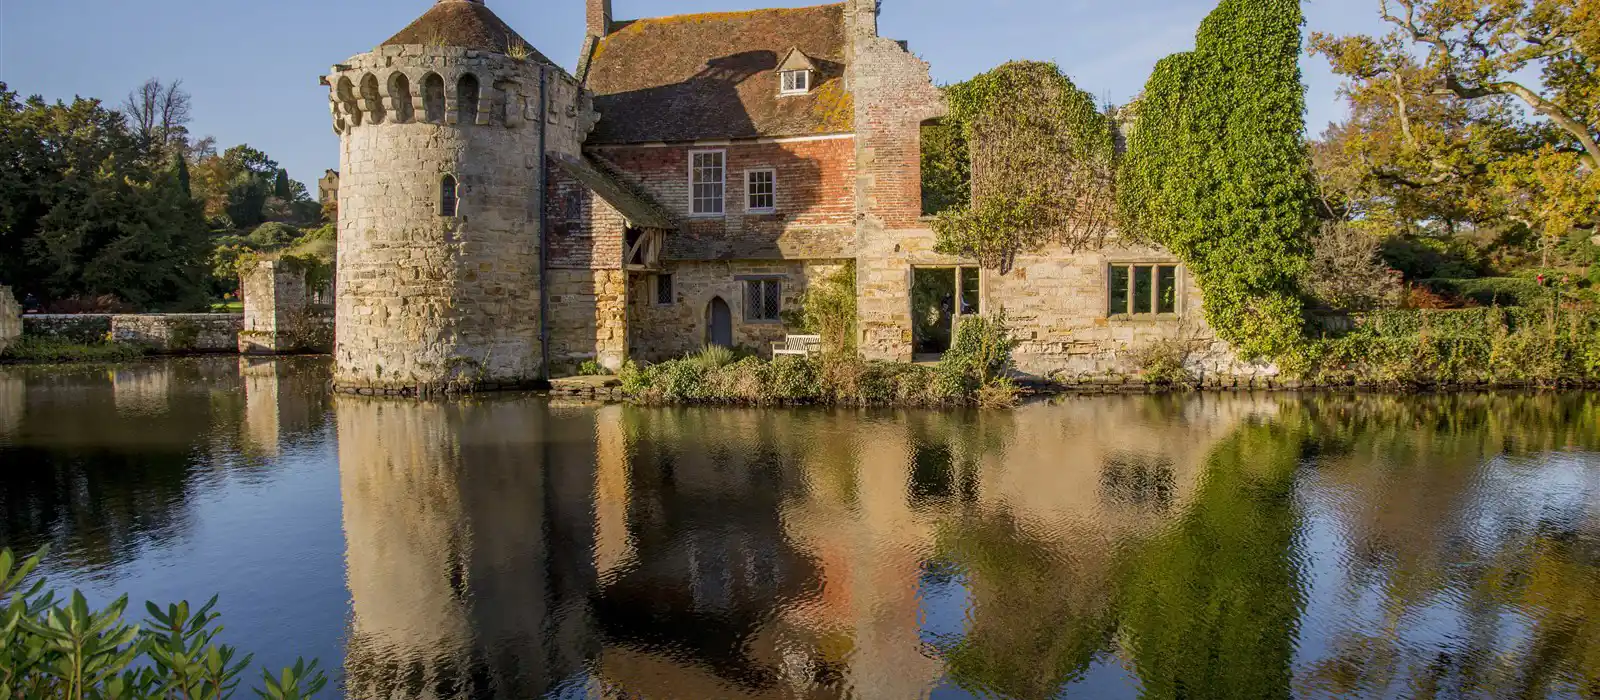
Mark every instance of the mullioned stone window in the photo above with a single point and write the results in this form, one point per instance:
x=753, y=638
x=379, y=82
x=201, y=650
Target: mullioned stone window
x=1142, y=289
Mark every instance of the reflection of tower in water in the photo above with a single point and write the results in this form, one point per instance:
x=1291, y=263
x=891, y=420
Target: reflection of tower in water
x=469, y=547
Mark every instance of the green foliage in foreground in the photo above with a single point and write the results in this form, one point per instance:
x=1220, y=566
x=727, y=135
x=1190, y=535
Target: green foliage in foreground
x=64, y=649
x=973, y=372
x=44, y=350
x=1217, y=171
x=1549, y=346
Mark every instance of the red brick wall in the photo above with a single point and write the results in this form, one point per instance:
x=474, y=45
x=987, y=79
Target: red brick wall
x=815, y=198
x=585, y=232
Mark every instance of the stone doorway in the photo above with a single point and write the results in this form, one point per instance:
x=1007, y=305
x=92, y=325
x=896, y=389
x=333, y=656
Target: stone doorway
x=719, y=323
x=940, y=297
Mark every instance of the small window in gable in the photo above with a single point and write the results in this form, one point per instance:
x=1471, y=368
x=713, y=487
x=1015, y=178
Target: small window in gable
x=796, y=82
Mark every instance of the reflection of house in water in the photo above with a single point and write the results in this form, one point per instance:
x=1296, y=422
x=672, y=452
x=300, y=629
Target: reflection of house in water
x=690, y=613
x=469, y=536
x=511, y=549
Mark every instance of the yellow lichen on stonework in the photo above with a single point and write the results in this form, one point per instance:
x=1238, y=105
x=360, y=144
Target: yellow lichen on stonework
x=835, y=106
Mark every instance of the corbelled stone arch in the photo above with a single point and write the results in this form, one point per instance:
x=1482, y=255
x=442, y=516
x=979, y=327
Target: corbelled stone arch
x=372, y=99
x=345, y=92
x=400, y=104
x=434, y=100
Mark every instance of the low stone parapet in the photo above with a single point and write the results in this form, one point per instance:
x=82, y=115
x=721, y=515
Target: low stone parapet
x=160, y=333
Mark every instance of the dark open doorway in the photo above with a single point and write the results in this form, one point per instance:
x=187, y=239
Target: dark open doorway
x=940, y=296
x=719, y=323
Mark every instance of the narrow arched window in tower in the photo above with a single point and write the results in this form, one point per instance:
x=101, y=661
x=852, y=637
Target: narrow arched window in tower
x=372, y=99
x=400, y=97
x=433, y=97
x=449, y=196
x=467, y=98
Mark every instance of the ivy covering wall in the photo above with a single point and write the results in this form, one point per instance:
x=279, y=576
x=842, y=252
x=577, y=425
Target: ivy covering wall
x=1042, y=164
x=1217, y=172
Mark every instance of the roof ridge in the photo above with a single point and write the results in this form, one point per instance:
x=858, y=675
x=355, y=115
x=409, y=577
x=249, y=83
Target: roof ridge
x=728, y=13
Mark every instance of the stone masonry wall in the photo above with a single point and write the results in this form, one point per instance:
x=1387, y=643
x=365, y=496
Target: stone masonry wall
x=424, y=300
x=814, y=214
x=894, y=95
x=1056, y=303
x=10, y=318
x=165, y=333
x=278, y=314
x=662, y=332
x=588, y=319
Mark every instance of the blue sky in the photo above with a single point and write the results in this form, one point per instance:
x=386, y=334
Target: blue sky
x=253, y=66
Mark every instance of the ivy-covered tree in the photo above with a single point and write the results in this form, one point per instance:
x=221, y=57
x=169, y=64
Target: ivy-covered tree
x=1042, y=165
x=1217, y=171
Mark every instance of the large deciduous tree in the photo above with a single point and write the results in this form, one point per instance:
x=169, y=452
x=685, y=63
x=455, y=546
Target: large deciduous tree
x=1472, y=113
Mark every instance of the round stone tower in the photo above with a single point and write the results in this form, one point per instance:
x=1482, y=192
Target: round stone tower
x=439, y=196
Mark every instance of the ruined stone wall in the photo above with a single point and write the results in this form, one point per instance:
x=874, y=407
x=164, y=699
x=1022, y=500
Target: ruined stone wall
x=894, y=95
x=1056, y=303
x=278, y=314
x=814, y=214
x=163, y=333
x=426, y=300
x=588, y=319
x=664, y=331
x=10, y=318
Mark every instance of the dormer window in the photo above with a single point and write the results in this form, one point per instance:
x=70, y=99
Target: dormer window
x=795, y=73
x=796, y=82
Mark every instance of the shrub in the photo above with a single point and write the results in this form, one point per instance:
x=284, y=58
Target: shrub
x=590, y=368
x=62, y=648
x=980, y=352
x=1492, y=291
x=1347, y=273
x=1474, y=346
x=713, y=357
x=829, y=310
x=47, y=350
x=1165, y=362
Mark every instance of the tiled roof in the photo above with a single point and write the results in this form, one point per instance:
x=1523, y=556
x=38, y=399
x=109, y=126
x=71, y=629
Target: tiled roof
x=466, y=24
x=713, y=76
x=637, y=208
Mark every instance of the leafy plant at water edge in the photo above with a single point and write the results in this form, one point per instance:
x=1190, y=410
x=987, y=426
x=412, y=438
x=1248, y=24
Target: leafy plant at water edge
x=1217, y=172
x=72, y=651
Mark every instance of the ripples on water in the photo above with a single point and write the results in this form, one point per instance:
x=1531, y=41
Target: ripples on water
x=1196, y=547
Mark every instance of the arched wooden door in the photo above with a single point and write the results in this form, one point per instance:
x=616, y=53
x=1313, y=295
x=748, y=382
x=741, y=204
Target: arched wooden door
x=719, y=323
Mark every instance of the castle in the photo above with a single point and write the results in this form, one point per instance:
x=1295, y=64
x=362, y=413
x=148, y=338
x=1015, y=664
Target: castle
x=501, y=219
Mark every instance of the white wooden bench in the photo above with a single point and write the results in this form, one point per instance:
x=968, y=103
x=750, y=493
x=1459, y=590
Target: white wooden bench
x=798, y=345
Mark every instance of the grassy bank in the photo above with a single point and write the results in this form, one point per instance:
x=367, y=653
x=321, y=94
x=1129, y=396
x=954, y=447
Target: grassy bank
x=38, y=350
x=1549, y=346
x=972, y=373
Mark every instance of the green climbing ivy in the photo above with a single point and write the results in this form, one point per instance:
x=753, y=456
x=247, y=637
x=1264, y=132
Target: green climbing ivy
x=1217, y=172
x=1042, y=165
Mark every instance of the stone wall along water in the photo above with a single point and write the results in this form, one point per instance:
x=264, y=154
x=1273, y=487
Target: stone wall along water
x=163, y=333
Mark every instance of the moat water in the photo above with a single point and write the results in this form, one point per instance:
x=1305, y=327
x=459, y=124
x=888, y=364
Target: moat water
x=1208, y=546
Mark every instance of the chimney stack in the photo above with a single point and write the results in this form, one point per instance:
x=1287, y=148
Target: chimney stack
x=599, y=17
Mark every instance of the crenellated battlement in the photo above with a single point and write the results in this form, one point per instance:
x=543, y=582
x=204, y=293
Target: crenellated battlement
x=448, y=86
